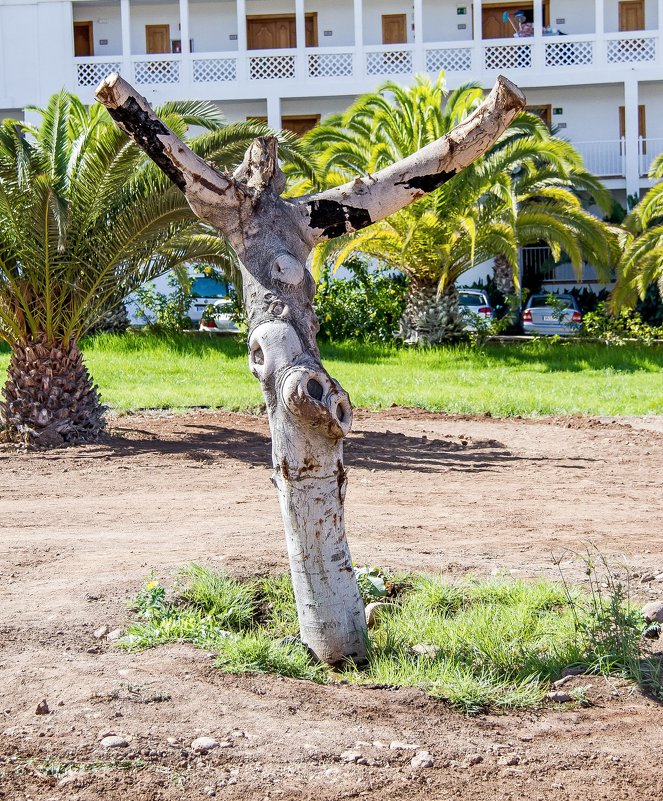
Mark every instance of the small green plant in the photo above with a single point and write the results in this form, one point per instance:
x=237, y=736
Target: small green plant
x=626, y=325
x=167, y=312
x=150, y=602
x=477, y=644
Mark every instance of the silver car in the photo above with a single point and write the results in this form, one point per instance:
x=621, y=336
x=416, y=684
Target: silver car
x=474, y=305
x=552, y=314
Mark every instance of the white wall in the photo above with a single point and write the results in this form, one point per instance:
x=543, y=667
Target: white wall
x=603, y=122
x=238, y=111
x=373, y=11
x=651, y=96
x=578, y=16
x=106, y=25
x=324, y=106
x=337, y=17
x=441, y=21
x=36, y=48
x=212, y=24
x=154, y=14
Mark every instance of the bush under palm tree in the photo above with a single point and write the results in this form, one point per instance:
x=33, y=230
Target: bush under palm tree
x=85, y=218
x=524, y=190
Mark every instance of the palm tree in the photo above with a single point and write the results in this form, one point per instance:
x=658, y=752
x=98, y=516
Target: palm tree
x=641, y=238
x=524, y=190
x=85, y=218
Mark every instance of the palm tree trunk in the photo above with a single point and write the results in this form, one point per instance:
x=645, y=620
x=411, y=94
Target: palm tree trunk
x=49, y=397
x=503, y=275
x=430, y=317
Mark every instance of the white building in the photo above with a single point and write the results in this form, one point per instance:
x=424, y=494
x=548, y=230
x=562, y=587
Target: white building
x=592, y=68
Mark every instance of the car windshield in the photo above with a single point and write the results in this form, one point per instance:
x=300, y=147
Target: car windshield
x=539, y=301
x=208, y=288
x=470, y=299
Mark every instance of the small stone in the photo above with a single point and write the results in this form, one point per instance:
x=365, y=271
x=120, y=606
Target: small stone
x=559, y=697
x=172, y=740
x=421, y=649
x=646, y=578
x=422, y=760
x=114, y=635
x=659, y=577
x=350, y=756
x=107, y=733
x=573, y=670
x=398, y=745
x=203, y=745
x=42, y=708
x=114, y=742
x=100, y=633
x=225, y=744
x=509, y=760
x=653, y=612
x=373, y=612
x=362, y=761
x=474, y=759
x=561, y=682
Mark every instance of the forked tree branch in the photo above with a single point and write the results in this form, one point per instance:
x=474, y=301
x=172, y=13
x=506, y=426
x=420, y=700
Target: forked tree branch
x=371, y=198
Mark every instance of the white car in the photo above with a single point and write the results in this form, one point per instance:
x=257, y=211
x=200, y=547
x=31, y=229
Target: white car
x=474, y=305
x=221, y=321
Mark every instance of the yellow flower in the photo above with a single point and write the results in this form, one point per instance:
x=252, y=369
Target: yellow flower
x=152, y=584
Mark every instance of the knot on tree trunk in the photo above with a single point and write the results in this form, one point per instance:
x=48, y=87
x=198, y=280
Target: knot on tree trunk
x=317, y=399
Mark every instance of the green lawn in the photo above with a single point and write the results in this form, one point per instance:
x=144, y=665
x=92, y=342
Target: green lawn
x=536, y=378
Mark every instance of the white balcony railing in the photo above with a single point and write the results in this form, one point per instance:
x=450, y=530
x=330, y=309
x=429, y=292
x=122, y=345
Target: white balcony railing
x=389, y=59
x=648, y=150
x=624, y=48
x=493, y=55
x=91, y=71
x=161, y=69
x=605, y=159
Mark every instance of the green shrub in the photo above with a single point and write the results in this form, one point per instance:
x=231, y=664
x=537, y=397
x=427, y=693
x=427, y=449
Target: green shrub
x=168, y=312
x=367, y=306
x=619, y=328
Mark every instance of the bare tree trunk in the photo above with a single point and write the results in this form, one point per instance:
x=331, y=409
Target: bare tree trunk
x=309, y=412
x=49, y=397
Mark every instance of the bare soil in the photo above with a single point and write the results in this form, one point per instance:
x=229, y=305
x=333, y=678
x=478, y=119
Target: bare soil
x=81, y=528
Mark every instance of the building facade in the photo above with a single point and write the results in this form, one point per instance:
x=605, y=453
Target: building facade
x=591, y=68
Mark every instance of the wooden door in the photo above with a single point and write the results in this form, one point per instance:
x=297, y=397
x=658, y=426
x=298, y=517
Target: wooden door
x=642, y=125
x=279, y=31
x=296, y=123
x=157, y=38
x=543, y=111
x=83, y=39
x=631, y=15
x=492, y=16
x=394, y=28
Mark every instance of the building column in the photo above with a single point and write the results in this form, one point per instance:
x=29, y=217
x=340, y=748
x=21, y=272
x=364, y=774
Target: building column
x=599, y=32
x=300, y=33
x=185, y=74
x=125, y=22
x=477, y=37
x=631, y=133
x=419, y=62
x=242, y=58
x=538, y=54
x=359, y=38
x=274, y=112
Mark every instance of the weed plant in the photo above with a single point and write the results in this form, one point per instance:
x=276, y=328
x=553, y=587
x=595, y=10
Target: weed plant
x=477, y=644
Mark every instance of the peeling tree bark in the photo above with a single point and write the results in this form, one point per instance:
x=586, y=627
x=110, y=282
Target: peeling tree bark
x=309, y=412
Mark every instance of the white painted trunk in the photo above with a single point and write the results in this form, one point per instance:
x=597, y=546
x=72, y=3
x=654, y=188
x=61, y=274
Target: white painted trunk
x=309, y=412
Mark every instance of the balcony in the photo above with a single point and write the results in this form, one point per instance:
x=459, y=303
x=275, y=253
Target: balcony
x=461, y=60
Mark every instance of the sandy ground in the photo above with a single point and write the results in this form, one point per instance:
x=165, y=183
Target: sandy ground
x=81, y=528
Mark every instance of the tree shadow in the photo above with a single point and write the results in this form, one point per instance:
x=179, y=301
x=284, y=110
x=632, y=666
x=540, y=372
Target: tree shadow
x=371, y=450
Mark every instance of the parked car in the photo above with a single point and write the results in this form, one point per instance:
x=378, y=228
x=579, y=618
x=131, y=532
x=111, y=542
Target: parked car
x=205, y=291
x=220, y=322
x=473, y=302
x=551, y=314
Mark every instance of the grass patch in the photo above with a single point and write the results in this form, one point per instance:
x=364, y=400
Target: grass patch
x=140, y=371
x=478, y=645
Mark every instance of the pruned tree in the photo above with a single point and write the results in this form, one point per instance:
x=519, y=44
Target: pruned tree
x=309, y=412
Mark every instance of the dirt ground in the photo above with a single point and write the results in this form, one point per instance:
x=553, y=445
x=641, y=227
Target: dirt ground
x=81, y=528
